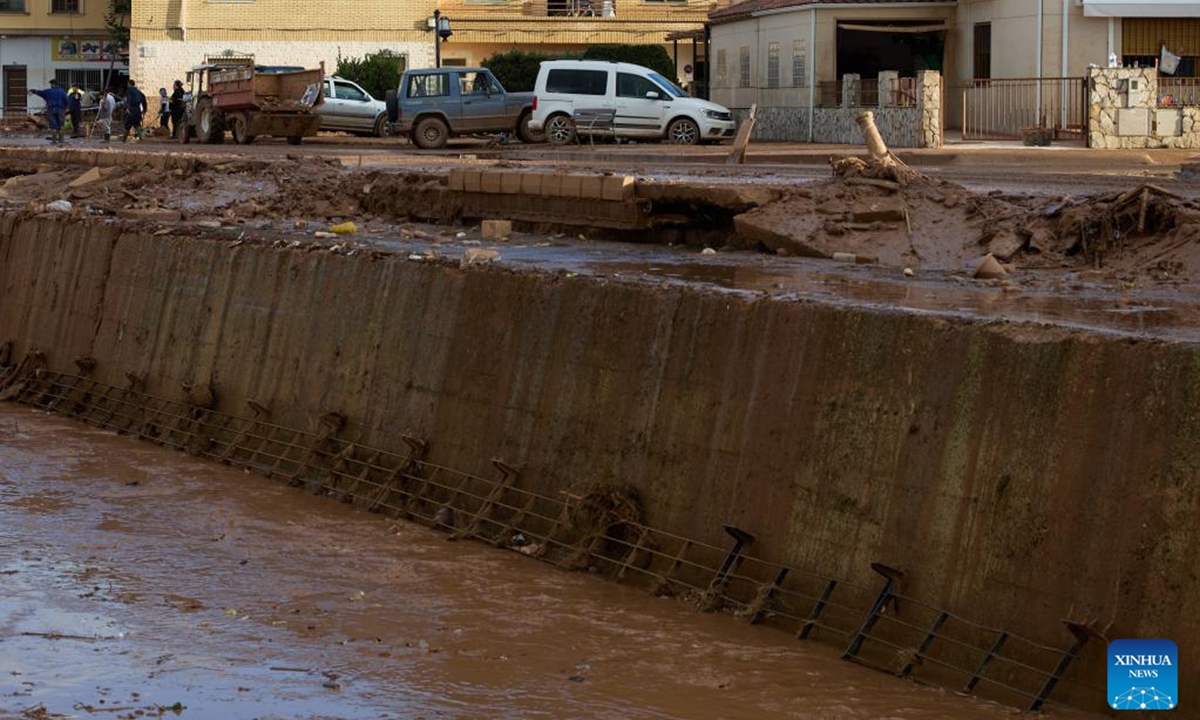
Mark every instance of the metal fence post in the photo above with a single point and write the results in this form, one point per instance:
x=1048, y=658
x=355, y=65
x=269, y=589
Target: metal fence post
x=732, y=560
x=892, y=577
x=1082, y=634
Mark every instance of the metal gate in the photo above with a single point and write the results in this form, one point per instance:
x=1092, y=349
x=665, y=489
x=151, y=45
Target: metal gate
x=998, y=109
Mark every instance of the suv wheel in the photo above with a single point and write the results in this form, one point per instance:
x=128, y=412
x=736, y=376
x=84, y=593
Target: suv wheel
x=683, y=132
x=431, y=133
x=560, y=130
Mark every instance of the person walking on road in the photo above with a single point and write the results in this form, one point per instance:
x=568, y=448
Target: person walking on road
x=177, y=109
x=135, y=109
x=164, y=111
x=108, y=103
x=56, y=106
x=75, y=106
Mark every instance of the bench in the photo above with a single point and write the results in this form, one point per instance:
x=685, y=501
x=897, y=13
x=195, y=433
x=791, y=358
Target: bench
x=593, y=121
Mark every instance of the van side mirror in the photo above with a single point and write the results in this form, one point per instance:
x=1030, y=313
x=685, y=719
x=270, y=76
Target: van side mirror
x=653, y=96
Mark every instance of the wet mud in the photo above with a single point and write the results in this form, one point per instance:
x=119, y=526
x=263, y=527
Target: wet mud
x=137, y=580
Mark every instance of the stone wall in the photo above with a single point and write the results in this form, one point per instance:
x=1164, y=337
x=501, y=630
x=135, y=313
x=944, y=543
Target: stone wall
x=901, y=127
x=1123, y=112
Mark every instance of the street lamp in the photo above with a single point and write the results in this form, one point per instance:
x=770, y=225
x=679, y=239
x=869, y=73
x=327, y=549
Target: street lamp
x=441, y=33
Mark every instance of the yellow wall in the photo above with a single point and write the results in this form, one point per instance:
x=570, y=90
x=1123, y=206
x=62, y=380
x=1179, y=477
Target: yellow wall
x=38, y=20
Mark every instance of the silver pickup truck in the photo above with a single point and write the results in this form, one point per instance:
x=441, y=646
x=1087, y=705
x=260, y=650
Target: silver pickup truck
x=433, y=105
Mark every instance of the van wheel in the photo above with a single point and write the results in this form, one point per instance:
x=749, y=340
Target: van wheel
x=560, y=130
x=431, y=133
x=683, y=132
x=527, y=134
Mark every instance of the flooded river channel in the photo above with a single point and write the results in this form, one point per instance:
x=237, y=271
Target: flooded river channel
x=134, y=580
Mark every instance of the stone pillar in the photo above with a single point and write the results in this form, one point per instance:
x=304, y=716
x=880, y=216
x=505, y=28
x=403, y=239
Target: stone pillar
x=1108, y=105
x=889, y=83
x=851, y=90
x=929, y=107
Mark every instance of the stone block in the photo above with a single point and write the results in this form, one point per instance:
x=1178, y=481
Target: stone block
x=888, y=210
x=496, y=229
x=490, y=182
x=572, y=186
x=510, y=183
x=478, y=256
x=591, y=187
x=552, y=184
x=457, y=180
x=91, y=176
x=617, y=187
x=531, y=183
x=472, y=181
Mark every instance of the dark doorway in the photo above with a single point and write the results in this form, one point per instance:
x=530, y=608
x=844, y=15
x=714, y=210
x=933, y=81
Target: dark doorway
x=867, y=47
x=16, y=90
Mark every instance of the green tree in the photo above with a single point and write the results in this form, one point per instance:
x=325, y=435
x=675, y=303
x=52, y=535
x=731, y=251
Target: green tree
x=517, y=69
x=376, y=72
x=116, y=17
x=654, y=57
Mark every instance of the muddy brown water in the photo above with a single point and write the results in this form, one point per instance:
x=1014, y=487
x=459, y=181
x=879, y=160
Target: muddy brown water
x=136, y=578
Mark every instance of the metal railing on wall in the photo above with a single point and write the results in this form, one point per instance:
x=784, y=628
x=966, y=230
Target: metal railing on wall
x=1178, y=91
x=1000, y=108
x=599, y=528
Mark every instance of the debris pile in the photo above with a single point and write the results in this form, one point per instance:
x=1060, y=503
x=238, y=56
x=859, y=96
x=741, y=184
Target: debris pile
x=880, y=210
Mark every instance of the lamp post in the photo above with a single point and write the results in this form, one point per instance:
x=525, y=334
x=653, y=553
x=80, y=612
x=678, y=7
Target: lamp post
x=441, y=33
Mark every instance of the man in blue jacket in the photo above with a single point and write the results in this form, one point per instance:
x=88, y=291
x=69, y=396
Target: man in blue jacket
x=135, y=108
x=56, y=107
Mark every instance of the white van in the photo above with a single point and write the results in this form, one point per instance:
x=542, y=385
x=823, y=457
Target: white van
x=621, y=100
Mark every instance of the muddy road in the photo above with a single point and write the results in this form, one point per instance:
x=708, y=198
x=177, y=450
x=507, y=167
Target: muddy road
x=1061, y=170
x=136, y=580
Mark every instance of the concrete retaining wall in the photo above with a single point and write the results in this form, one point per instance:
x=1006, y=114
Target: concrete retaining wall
x=1018, y=474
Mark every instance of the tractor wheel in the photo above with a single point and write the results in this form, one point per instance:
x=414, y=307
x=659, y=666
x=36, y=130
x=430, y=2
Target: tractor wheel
x=210, y=123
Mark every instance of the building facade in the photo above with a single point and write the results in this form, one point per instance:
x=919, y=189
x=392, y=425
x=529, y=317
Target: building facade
x=794, y=53
x=170, y=36
x=62, y=39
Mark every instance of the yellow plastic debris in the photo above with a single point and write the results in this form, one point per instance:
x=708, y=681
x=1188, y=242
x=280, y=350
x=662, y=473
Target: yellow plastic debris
x=346, y=228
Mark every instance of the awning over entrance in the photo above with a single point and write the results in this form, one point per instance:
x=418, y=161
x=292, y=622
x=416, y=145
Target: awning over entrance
x=1141, y=8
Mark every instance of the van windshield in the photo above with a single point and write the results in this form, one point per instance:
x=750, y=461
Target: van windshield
x=667, y=85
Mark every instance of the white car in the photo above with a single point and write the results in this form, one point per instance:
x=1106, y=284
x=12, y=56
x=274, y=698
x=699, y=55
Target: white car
x=349, y=108
x=621, y=100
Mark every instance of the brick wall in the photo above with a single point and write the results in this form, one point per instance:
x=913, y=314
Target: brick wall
x=157, y=63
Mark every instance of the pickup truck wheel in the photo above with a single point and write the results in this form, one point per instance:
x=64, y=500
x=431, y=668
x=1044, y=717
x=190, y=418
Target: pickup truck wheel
x=431, y=133
x=683, y=132
x=383, y=128
x=527, y=134
x=210, y=125
x=560, y=130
